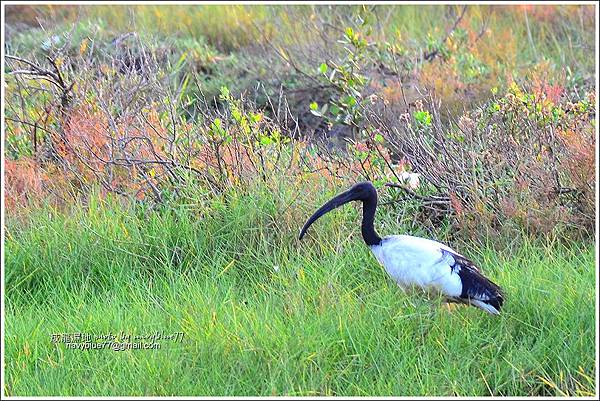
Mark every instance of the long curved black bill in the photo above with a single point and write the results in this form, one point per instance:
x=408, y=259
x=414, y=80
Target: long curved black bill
x=338, y=201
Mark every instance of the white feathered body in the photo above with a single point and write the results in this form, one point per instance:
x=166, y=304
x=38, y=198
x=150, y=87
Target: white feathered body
x=435, y=267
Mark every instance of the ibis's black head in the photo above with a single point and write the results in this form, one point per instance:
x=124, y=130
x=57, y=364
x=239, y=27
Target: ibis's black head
x=363, y=191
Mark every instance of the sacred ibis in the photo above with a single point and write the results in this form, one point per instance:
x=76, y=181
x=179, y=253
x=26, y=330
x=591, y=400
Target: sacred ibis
x=418, y=262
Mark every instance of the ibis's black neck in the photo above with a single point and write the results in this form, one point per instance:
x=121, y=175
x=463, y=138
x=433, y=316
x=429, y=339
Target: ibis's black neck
x=367, y=228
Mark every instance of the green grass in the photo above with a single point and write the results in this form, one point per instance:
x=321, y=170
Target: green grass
x=263, y=314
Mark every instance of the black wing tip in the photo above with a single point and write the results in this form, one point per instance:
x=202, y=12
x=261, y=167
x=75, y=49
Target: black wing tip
x=478, y=287
x=500, y=299
x=496, y=302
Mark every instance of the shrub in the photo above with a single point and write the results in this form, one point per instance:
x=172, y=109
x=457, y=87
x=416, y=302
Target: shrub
x=519, y=158
x=148, y=116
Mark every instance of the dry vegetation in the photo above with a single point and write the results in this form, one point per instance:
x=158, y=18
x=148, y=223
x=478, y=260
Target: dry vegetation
x=497, y=138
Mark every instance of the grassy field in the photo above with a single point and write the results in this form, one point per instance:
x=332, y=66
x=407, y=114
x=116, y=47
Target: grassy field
x=262, y=314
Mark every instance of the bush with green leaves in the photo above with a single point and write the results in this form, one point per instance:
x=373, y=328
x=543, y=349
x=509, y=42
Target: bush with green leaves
x=347, y=76
x=520, y=158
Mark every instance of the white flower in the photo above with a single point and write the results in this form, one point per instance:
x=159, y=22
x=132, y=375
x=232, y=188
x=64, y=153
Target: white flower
x=411, y=179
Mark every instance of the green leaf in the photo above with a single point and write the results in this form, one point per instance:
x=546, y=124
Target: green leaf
x=181, y=60
x=350, y=101
x=236, y=114
x=255, y=117
x=422, y=117
x=323, y=68
x=314, y=106
x=265, y=140
x=378, y=138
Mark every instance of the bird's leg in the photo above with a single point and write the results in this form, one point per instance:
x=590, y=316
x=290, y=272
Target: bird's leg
x=450, y=306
